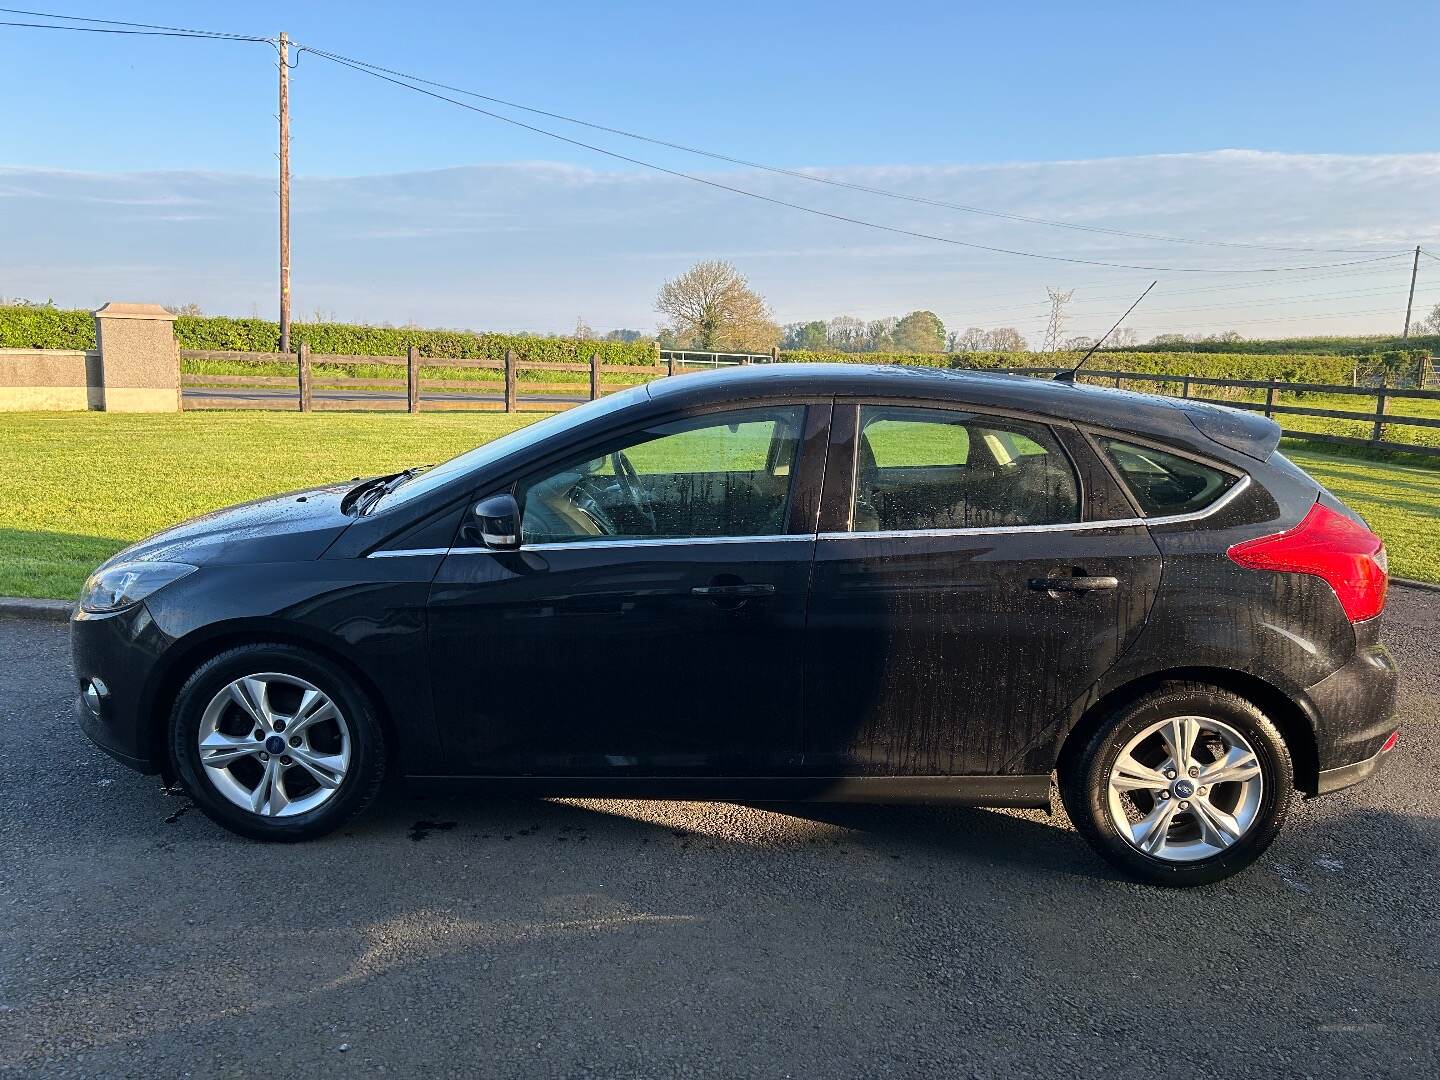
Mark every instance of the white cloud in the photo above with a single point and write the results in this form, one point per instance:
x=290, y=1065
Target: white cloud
x=533, y=244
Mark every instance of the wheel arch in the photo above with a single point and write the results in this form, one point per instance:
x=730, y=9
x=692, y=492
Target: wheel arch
x=188, y=653
x=1296, y=726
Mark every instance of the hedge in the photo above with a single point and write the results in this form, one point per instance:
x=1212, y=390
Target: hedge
x=1413, y=346
x=51, y=328
x=1286, y=368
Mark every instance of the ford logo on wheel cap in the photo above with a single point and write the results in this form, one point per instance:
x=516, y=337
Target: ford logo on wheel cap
x=275, y=744
x=1184, y=789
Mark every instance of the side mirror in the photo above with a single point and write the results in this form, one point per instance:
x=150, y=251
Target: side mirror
x=498, y=521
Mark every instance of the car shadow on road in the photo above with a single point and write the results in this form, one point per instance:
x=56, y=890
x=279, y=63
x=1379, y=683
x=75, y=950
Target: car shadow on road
x=969, y=837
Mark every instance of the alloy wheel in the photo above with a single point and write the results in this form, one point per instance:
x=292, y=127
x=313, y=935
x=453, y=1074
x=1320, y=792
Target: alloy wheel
x=274, y=744
x=1185, y=788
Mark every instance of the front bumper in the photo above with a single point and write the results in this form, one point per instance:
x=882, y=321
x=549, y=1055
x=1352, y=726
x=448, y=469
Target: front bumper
x=121, y=649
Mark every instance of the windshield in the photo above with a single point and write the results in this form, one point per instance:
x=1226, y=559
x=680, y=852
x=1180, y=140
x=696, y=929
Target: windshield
x=516, y=441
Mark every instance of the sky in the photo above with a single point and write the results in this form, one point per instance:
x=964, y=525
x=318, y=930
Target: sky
x=143, y=168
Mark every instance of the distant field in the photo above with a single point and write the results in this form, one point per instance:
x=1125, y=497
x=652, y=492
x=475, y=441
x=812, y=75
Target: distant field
x=80, y=486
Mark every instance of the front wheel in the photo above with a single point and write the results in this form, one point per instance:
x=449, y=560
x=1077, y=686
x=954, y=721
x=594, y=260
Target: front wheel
x=276, y=743
x=1184, y=786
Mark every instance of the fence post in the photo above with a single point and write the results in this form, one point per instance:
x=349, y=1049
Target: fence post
x=412, y=379
x=1185, y=387
x=1378, y=432
x=594, y=376
x=670, y=362
x=1420, y=373
x=509, y=380
x=774, y=354
x=1270, y=399
x=304, y=368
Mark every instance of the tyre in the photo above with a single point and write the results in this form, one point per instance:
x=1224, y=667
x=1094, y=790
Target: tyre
x=1184, y=786
x=276, y=743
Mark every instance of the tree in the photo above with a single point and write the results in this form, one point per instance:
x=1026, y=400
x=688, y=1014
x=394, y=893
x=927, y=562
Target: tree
x=1078, y=344
x=712, y=307
x=921, y=332
x=583, y=332
x=972, y=339
x=807, y=337
x=846, y=333
x=1431, y=323
x=1006, y=339
x=624, y=335
x=1124, y=338
x=878, y=334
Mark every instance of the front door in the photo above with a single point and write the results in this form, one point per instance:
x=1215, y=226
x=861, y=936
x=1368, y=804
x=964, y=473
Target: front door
x=950, y=625
x=652, y=622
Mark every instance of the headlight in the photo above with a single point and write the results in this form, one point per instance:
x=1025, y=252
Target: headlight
x=124, y=584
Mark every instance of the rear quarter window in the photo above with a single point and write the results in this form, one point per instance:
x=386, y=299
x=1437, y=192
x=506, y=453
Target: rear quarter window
x=1165, y=483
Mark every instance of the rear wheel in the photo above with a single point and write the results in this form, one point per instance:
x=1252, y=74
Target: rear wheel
x=1184, y=786
x=276, y=743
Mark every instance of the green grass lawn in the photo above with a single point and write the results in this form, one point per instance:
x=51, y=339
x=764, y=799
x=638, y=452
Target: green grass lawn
x=79, y=486
x=1401, y=503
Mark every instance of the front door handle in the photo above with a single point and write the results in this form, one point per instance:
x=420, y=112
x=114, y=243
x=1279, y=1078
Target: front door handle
x=732, y=592
x=1077, y=584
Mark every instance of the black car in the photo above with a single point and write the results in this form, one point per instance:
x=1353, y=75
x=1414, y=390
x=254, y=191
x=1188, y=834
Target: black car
x=788, y=582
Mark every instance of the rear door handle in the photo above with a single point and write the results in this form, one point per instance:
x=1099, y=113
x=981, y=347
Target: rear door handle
x=729, y=592
x=1059, y=584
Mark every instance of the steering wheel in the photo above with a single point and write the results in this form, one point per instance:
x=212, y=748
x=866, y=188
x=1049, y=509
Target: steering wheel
x=629, y=481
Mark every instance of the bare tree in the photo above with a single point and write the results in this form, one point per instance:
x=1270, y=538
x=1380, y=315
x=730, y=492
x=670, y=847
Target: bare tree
x=1431, y=323
x=972, y=339
x=1006, y=339
x=1124, y=338
x=712, y=307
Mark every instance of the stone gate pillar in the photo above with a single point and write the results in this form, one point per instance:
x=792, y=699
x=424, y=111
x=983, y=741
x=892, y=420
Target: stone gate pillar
x=139, y=359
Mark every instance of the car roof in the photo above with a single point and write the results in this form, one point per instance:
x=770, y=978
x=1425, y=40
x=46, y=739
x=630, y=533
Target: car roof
x=1187, y=422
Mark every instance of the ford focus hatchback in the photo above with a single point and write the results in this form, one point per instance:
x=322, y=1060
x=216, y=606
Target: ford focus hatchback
x=792, y=582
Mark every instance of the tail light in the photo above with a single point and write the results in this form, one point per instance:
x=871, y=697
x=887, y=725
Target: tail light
x=1328, y=545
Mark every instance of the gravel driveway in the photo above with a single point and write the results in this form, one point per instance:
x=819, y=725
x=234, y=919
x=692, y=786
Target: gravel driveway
x=604, y=938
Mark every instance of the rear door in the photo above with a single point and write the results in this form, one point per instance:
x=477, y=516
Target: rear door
x=964, y=593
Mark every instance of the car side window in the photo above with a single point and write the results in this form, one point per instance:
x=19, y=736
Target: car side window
x=1164, y=483
x=919, y=468
x=722, y=474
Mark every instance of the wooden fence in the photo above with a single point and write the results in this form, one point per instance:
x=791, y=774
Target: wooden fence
x=521, y=385
x=514, y=387
x=1377, y=419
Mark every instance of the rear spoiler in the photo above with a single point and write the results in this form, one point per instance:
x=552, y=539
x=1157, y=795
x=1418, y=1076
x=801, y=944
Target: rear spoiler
x=1244, y=432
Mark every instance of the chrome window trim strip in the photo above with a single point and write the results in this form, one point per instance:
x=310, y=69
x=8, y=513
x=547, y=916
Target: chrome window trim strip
x=401, y=553
x=990, y=530
x=587, y=545
x=891, y=534
x=1214, y=508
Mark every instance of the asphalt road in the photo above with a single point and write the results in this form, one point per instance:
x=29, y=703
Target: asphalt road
x=603, y=938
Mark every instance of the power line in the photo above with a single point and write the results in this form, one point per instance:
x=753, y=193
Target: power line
x=137, y=33
x=1265, y=302
x=812, y=177
x=833, y=216
x=173, y=30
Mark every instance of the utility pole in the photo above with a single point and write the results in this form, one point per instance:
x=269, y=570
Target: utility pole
x=284, y=193
x=1410, y=304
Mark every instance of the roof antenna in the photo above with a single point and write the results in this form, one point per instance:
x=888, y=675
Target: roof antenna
x=1069, y=376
